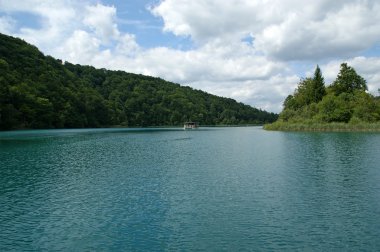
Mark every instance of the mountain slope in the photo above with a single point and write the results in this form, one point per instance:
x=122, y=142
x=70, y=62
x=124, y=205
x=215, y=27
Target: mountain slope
x=38, y=91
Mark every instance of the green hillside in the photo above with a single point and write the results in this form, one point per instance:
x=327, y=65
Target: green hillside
x=345, y=105
x=38, y=91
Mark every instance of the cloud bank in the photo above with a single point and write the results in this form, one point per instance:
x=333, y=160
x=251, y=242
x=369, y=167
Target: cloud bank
x=252, y=51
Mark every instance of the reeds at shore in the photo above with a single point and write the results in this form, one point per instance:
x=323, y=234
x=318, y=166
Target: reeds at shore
x=314, y=126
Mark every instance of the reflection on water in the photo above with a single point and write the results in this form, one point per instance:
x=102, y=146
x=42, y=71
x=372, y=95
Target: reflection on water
x=169, y=189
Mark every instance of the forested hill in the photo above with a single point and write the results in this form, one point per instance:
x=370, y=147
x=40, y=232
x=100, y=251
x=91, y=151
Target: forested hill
x=38, y=91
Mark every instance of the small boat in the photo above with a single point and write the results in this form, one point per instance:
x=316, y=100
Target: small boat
x=190, y=125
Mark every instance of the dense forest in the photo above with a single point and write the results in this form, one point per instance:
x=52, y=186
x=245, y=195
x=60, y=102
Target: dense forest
x=38, y=91
x=343, y=105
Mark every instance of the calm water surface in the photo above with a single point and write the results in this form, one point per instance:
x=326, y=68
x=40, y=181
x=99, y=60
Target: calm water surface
x=210, y=189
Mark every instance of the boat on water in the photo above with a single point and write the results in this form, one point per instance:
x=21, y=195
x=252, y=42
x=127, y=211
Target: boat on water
x=190, y=125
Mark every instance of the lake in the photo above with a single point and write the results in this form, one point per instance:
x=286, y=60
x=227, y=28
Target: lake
x=213, y=189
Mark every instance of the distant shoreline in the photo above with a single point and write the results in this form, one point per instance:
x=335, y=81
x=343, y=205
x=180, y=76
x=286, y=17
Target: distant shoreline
x=181, y=126
x=139, y=127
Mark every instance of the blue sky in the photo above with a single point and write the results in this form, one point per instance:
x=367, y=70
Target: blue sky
x=254, y=51
x=134, y=17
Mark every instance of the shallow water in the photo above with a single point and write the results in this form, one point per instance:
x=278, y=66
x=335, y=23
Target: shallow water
x=207, y=189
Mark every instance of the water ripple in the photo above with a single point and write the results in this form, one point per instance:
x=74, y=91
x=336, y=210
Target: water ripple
x=216, y=189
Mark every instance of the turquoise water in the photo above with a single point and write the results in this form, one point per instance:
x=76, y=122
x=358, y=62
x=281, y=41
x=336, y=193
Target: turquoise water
x=210, y=189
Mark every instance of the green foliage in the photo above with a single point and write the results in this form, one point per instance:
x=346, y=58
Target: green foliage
x=309, y=90
x=345, y=105
x=348, y=81
x=321, y=126
x=367, y=108
x=335, y=109
x=301, y=96
x=38, y=91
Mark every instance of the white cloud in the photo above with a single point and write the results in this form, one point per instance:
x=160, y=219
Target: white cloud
x=80, y=47
x=56, y=20
x=285, y=30
x=267, y=94
x=211, y=63
x=204, y=20
x=101, y=19
x=127, y=45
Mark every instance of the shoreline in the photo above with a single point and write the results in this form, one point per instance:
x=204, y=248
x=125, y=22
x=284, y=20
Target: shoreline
x=323, y=127
x=138, y=127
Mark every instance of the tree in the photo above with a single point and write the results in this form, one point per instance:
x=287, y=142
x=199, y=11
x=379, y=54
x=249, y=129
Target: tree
x=335, y=108
x=348, y=81
x=304, y=94
x=309, y=90
x=365, y=108
x=318, y=88
x=289, y=102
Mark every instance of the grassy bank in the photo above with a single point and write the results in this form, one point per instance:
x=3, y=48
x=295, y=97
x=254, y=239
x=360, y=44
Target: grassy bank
x=333, y=127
